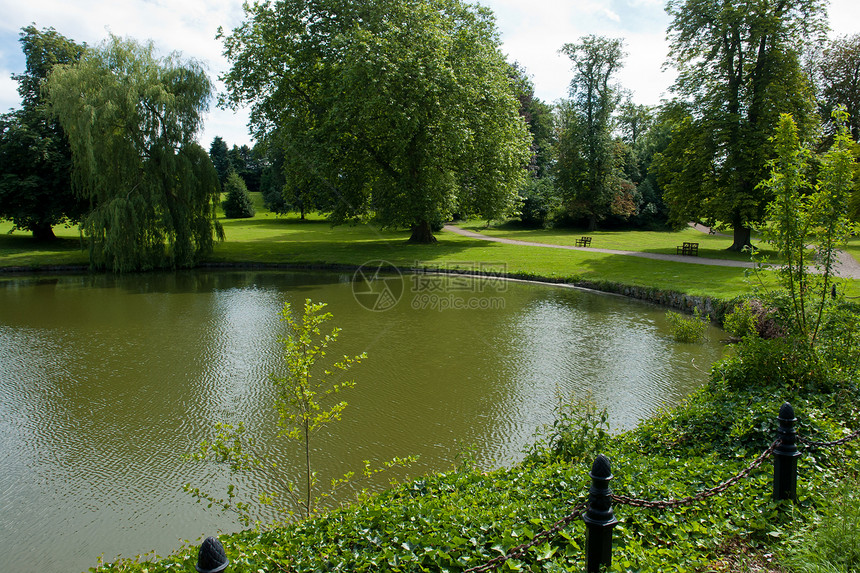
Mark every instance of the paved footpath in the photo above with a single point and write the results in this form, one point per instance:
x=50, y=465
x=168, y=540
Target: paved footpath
x=849, y=267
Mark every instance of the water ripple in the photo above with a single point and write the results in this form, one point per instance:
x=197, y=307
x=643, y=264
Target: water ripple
x=107, y=382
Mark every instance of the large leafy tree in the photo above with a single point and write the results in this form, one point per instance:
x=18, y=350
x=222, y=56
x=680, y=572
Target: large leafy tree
x=738, y=69
x=838, y=75
x=648, y=134
x=538, y=116
x=247, y=163
x=537, y=195
x=634, y=121
x=587, y=159
x=400, y=109
x=220, y=157
x=35, y=159
x=131, y=119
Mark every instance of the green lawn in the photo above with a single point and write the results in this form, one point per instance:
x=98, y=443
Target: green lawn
x=270, y=239
x=853, y=247
x=267, y=238
x=661, y=242
x=18, y=249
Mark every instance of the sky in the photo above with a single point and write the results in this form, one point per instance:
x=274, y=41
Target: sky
x=532, y=32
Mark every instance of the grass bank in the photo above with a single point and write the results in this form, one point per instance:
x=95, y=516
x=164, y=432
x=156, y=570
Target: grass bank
x=269, y=239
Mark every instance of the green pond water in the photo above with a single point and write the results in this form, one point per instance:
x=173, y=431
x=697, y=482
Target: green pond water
x=106, y=382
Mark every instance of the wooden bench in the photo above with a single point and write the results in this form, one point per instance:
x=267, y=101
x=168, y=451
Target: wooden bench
x=691, y=249
x=583, y=242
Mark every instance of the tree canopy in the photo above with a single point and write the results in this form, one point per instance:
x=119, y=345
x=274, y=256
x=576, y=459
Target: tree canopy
x=219, y=154
x=538, y=116
x=238, y=204
x=738, y=69
x=131, y=119
x=538, y=202
x=838, y=75
x=587, y=167
x=400, y=110
x=35, y=159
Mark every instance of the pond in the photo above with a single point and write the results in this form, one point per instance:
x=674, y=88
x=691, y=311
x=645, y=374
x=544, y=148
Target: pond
x=108, y=382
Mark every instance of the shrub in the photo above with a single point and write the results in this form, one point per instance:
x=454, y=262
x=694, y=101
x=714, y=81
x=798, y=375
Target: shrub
x=839, y=339
x=741, y=321
x=539, y=203
x=273, y=200
x=238, y=203
x=580, y=432
x=753, y=317
x=780, y=363
x=687, y=328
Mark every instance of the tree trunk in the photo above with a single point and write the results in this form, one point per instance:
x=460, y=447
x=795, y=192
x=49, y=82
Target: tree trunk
x=43, y=232
x=422, y=233
x=742, y=234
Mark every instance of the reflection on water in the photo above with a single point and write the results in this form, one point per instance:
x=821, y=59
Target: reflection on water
x=107, y=381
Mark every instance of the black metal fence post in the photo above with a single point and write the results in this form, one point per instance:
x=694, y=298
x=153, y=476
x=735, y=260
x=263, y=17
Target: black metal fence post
x=599, y=518
x=211, y=557
x=785, y=456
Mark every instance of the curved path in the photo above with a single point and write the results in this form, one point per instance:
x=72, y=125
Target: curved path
x=848, y=267
x=657, y=256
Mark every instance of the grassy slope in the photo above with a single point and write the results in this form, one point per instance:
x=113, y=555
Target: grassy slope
x=464, y=518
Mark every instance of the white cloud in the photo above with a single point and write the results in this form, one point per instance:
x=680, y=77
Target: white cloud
x=533, y=33
x=844, y=16
x=612, y=15
x=643, y=72
x=188, y=27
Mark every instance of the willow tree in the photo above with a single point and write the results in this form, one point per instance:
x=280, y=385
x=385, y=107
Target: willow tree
x=131, y=118
x=738, y=70
x=403, y=110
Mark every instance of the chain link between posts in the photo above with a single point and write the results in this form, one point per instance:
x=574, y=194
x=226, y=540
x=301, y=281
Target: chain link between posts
x=840, y=442
x=544, y=535
x=716, y=490
x=576, y=513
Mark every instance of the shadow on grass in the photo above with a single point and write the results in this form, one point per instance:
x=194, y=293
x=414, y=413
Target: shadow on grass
x=397, y=251
x=14, y=244
x=273, y=221
x=707, y=253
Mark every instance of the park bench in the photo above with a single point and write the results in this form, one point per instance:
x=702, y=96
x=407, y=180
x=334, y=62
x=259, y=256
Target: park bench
x=583, y=242
x=691, y=249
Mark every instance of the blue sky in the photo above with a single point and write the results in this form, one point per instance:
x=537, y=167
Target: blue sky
x=532, y=33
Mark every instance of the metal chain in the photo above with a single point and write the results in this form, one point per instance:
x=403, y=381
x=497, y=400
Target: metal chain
x=840, y=442
x=576, y=513
x=670, y=503
x=521, y=550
